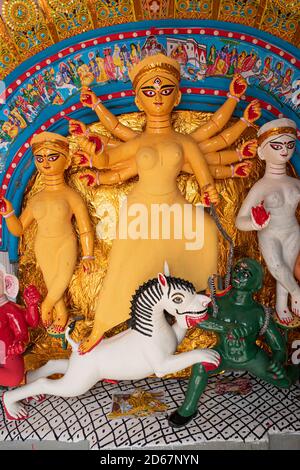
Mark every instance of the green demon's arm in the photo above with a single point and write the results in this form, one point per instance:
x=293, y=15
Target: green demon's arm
x=275, y=341
x=216, y=325
x=237, y=331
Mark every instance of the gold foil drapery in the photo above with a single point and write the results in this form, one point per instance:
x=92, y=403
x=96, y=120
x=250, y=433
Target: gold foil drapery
x=84, y=288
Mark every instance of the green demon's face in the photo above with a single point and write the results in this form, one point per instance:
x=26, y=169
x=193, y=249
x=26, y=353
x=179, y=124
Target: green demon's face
x=246, y=276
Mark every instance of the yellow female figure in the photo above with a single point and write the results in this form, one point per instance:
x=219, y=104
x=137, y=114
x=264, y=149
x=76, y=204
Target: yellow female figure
x=55, y=243
x=157, y=156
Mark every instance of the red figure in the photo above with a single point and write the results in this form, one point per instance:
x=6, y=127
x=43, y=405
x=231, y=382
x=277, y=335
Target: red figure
x=14, y=323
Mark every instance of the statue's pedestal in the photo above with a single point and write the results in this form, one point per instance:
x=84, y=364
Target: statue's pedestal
x=224, y=421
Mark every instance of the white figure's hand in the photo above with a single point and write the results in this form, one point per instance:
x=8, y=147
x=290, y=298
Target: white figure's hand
x=210, y=356
x=260, y=217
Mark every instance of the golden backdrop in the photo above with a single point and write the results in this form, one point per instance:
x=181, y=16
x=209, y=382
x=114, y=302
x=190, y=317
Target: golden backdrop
x=84, y=289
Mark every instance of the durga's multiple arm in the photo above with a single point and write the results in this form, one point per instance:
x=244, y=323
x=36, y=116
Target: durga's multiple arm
x=118, y=163
x=108, y=119
x=200, y=169
x=231, y=134
x=219, y=119
x=215, y=124
x=219, y=162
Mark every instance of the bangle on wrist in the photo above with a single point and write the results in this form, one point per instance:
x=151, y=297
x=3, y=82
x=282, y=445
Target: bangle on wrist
x=96, y=104
x=240, y=155
x=101, y=151
x=6, y=216
x=106, y=159
x=120, y=179
x=97, y=178
x=84, y=233
x=246, y=121
x=232, y=170
x=91, y=162
x=234, y=97
x=88, y=257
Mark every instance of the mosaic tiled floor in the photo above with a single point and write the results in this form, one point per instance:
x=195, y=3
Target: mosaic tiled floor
x=235, y=418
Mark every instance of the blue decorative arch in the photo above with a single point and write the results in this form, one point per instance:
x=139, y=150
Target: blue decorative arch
x=27, y=110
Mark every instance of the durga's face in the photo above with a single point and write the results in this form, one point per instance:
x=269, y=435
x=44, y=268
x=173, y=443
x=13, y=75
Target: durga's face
x=49, y=162
x=278, y=148
x=158, y=94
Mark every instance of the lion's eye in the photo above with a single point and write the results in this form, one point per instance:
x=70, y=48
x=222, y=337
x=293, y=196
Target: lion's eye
x=178, y=300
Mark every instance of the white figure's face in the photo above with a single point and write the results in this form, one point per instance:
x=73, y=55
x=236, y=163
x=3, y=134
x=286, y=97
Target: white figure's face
x=278, y=148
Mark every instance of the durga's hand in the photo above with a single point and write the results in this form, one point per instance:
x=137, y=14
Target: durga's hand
x=81, y=158
x=210, y=196
x=77, y=127
x=85, y=155
x=87, y=97
x=89, y=179
x=238, y=86
x=253, y=111
x=88, y=146
x=248, y=149
x=5, y=206
x=88, y=265
x=242, y=170
x=260, y=217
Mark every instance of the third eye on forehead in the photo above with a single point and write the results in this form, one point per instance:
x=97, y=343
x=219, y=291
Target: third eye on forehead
x=283, y=139
x=46, y=154
x=282, y=142
x=151, y=87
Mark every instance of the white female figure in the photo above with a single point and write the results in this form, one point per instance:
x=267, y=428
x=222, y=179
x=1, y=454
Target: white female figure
x=270, y=209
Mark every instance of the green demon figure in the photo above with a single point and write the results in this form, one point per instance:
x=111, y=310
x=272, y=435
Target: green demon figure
x=239, y=322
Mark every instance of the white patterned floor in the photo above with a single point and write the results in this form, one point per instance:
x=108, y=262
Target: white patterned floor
x=226, y=418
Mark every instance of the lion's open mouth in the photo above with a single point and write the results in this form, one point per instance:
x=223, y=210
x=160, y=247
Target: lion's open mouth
x=193, y=319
